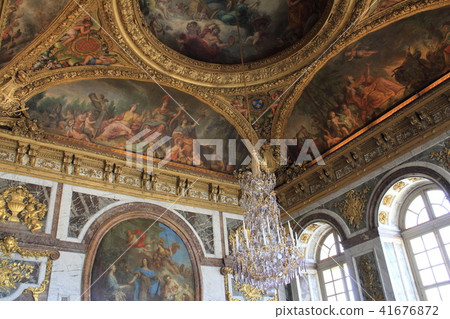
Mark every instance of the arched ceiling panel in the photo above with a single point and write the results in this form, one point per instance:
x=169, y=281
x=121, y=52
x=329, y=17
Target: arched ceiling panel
x=370, y=77
x=115, y=113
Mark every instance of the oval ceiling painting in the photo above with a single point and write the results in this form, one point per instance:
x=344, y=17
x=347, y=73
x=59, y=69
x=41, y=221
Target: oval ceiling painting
x=134, y=116
x=142, y=260
x=207, y=30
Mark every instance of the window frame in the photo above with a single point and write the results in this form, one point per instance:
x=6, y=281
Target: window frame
x=433, y=225
x=331, y=262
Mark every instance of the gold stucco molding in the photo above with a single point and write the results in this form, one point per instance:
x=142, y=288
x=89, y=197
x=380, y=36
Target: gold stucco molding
x=12, y=272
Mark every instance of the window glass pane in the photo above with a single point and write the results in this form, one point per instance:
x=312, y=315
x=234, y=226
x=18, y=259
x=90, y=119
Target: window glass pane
x=447, y=248
x=417, y=245
x=336, y=273
x=339, y=286
x=445, y=234
x=328, y=248
x=410, y=219
x=332, y=298
x=445, y=292
x=435, y=257
x=427, y=277
x=436, y=196
x=327, y=275
x=429, y=241
x=422, y=261
x=423, y=217
x=341, y=297
x=332, y=251
x=329, y=289
x=439, y=210
x=416, y=205
x=440, y=273
x=432, y=294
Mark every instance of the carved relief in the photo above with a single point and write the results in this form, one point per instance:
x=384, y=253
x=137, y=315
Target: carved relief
x=18, y=205
x=353, y=207
x=13, y=272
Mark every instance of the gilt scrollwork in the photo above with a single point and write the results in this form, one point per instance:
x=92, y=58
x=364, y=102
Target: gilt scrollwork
x=13, y=272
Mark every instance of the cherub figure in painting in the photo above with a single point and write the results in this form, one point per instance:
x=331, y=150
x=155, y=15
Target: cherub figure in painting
x=353, y=52
x=83, y=27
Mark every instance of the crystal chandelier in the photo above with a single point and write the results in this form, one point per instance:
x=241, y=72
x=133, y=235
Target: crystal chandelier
x=265, y=256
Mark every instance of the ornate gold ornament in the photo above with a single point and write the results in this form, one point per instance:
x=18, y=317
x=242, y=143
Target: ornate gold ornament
x=399, y=186
x=250, y=293
x=354, y=206
x=442, y=157
x=312, y=227
x=369, y=278
x=18, y=205
x=304, y=238
x=414, y=179
x=387, y=200
x=383, y=217
x=13, y=272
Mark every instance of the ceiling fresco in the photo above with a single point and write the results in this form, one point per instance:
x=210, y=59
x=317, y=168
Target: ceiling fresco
x=112, y=112
x=207, y=30
x=369, y=77
x=22, y=21
x=85, y=43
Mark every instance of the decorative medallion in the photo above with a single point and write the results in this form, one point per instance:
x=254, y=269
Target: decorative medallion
x=399, y=186
x=354, y=206
x=312, y=227
x=304, y=238
x=383, y=217
x=387, y=200
x=18, y=205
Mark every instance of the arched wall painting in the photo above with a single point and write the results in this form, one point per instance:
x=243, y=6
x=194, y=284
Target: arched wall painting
x=111, y=112
x=206, y=30
x=370, y=76
x=156, y=266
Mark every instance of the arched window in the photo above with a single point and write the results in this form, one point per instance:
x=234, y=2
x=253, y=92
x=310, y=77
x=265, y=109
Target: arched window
x=327, y=276
x=331, y=267
x=414, y=227
x=426, y=231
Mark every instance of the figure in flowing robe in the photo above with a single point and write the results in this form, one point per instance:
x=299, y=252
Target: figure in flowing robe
x=147, y=285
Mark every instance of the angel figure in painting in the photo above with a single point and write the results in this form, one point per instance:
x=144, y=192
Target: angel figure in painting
x=114, y=290
x=147, y=284
x=353, y=52
x=83, y=27
x=161, y=256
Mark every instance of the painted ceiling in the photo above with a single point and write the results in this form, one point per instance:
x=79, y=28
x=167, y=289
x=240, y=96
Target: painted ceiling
x=215, y=30
x=96, y=73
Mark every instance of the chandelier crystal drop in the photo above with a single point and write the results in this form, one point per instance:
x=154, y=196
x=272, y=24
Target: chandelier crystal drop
x=265, y=255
